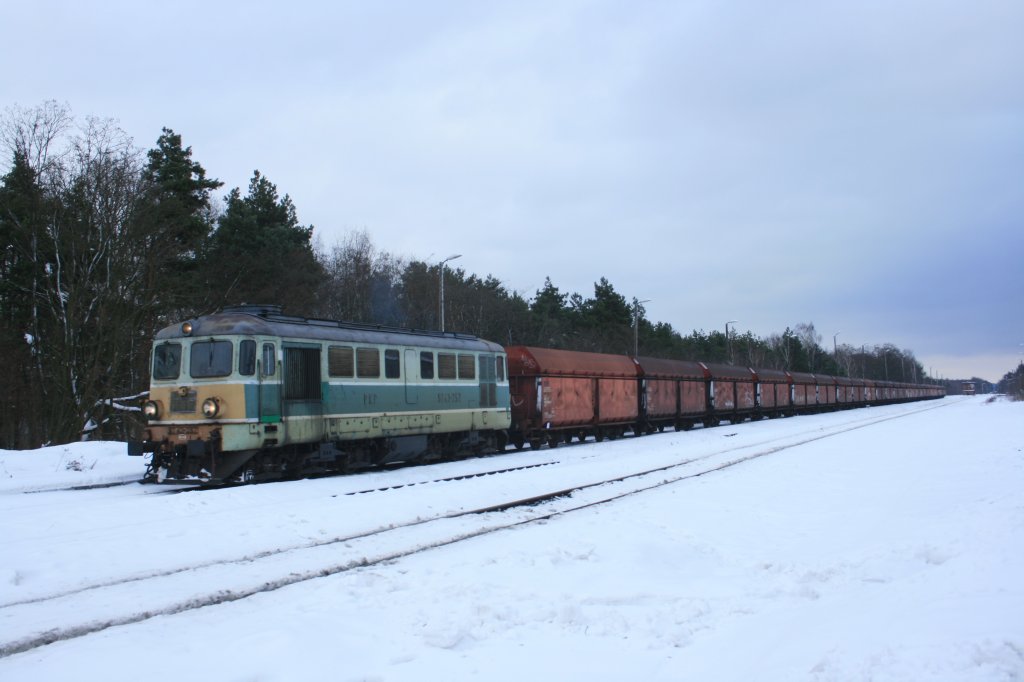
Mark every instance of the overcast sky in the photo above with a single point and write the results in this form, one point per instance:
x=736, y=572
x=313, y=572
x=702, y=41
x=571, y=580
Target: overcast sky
x=858, y=165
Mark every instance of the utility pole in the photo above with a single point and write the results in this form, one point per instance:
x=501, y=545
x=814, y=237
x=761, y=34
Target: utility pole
x=440, y=306
x=835, y=349
x=728, y=343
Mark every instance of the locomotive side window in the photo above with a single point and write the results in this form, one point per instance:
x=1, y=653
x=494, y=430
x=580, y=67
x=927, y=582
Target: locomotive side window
x=467, y=366
x=340, y=361
x=247, y=358
x=269, y=360
x=426, y=365
x=445, y=365
x=210, y=359
x=392, y=364
x=368, y=363
x=167, y=361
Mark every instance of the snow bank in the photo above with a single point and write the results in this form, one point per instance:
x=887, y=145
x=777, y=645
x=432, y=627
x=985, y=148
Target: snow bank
x=65, y=466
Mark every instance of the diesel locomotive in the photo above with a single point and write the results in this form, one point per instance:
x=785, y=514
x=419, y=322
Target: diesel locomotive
x=251, y=394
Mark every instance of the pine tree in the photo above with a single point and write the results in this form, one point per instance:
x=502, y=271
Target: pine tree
x=174, y=215
x=261, y=254
x=21, y=283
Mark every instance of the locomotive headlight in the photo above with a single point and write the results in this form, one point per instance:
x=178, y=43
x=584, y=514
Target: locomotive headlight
x=151, y=409
x=211, y=407
x=186, y=328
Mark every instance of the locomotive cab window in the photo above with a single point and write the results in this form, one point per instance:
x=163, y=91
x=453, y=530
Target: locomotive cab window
x=392, y=364
x=210, y=359
x=167, y=361
x=247, y=358
x=269, y=362
x=499, y=366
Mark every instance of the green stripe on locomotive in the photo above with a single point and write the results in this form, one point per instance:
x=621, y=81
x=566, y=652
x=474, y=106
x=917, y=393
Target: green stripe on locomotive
x=262, y=400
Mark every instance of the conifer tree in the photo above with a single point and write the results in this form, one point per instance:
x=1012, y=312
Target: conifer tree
x=261, y=254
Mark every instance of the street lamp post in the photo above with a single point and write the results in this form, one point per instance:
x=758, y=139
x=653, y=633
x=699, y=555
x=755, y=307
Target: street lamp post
x=835, y=348
x=728, y=344
x=440, y=314
x=636, y=325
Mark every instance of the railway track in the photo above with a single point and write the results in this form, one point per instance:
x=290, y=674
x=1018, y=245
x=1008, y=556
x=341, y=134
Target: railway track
x=70, y=614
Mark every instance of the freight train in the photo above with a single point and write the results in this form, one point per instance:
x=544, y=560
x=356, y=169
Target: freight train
x=250, y=394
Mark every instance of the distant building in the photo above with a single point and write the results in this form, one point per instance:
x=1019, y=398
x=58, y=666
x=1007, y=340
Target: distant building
x=967, y=388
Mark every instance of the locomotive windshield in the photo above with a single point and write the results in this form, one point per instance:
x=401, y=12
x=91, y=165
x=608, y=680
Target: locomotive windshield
x=167, y=361
x=210, y=359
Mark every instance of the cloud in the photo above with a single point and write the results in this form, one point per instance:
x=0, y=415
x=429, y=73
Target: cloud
x=856, y=165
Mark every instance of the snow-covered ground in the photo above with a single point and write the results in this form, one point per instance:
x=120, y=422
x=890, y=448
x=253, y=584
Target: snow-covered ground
x=877, y=544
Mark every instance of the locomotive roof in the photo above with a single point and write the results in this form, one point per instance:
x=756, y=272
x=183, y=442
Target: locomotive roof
x=267, y=320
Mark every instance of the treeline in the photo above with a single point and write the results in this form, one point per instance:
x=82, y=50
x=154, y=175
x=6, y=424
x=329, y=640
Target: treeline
x=1012, y=383
x=104, y=244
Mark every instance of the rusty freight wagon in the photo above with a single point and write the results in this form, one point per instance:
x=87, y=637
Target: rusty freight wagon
x=557, y=395
x=675, y=393
x=804, y=392
x=848, y=391
x=826, y=391
x=732, y=393
x=773, y=394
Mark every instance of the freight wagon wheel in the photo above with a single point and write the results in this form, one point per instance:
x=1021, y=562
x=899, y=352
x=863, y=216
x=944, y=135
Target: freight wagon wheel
x=517, y=442
x=553, y=440
x=535, y=443
x=599, y=435
x=567, y=437
x=582, y=436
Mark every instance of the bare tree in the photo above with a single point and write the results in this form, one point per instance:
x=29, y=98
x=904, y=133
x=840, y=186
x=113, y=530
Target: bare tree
x=32, y=133
x=361, y=282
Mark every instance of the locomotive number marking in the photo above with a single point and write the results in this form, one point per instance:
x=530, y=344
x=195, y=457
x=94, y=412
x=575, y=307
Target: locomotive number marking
x=369, y=399
x=449, y=397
